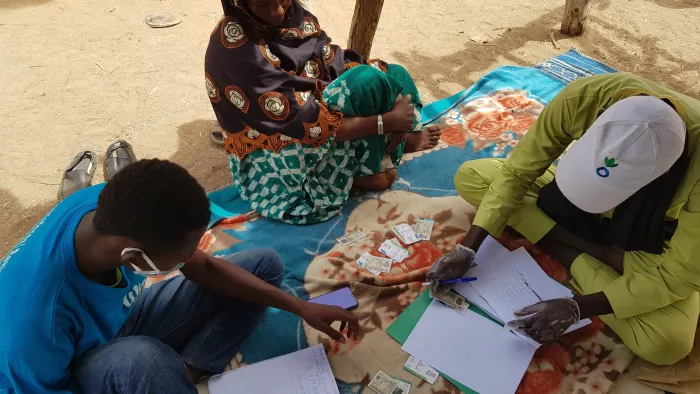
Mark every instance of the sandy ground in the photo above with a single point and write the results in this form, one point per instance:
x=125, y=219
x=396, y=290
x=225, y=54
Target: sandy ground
x=79, y=74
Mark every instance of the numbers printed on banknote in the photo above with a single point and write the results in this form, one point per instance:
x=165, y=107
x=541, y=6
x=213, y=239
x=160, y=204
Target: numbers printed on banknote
x=406, y=233
x=424, y=229
x=382, y=383
x=421, y=369
x=347, y=239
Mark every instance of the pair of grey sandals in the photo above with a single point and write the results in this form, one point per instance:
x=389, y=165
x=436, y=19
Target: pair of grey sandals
x=79, y=173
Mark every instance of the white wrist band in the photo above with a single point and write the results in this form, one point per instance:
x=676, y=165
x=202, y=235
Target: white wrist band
x=380, y=125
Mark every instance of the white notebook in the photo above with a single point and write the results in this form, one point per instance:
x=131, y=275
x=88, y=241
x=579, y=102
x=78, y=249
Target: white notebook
x=304, y=372
x=509, y=281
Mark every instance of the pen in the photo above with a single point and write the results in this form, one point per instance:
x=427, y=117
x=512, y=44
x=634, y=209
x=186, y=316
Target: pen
x=449, y=282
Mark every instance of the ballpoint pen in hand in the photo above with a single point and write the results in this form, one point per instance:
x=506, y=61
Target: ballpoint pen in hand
x=449, y=282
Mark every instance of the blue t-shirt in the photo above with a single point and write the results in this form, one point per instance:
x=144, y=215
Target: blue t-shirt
x=51, y=313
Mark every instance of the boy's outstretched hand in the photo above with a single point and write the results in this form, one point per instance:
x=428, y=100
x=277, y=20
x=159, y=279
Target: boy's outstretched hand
x=321, y=317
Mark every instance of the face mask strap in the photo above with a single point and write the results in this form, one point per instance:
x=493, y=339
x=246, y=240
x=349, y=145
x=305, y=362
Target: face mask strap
x=145, y=257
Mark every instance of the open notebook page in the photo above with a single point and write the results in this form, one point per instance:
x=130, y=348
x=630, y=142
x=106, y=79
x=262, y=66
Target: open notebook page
x=545, y=287
x=489, y=252
x=509, y=281
x=302, y=372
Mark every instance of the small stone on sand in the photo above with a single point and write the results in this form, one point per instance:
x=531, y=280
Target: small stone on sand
x=162, y=19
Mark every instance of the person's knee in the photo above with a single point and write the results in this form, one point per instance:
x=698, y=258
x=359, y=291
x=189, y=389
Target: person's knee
x=666, y=351
x=112, y=367
x=470, y=181
x=148, y=354
x=270, y=266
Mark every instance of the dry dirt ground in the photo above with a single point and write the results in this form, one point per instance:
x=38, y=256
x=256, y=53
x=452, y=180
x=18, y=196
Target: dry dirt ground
x=79, y=74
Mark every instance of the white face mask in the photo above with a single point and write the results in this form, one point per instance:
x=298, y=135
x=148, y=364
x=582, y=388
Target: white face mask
x=156, y=271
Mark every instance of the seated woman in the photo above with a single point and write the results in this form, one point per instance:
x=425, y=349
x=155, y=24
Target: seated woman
x=621, y=211
x=304, y=121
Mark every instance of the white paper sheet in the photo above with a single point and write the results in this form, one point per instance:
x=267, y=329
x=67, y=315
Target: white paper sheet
x=471, y=349
x=508, y=281
x=304, y=372
x=489, y=252
x=506, y=290
x=544, y=285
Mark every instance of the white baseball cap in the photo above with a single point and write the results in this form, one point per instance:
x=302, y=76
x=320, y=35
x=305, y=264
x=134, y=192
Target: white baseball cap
x=632, y=143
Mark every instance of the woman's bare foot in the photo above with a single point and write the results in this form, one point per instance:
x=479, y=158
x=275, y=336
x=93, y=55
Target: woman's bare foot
x=376, y=182
x=421, y=140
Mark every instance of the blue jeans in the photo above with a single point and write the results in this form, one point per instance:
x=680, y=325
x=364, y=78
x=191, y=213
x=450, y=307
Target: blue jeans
x=176, y=323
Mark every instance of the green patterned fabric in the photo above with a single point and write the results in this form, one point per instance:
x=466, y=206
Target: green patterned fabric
x=303, y=184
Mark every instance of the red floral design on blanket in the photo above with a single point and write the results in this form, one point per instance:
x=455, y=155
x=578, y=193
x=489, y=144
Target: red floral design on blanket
x=502, y=117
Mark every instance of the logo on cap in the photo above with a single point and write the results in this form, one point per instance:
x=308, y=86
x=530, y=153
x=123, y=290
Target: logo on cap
x=603, y=172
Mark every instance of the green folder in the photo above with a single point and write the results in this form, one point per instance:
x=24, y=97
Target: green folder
x=402, y=327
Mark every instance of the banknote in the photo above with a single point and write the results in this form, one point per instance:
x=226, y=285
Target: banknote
x=396, y=242
x=361, y=263
x=374, y=263
x=382, y=383
x=421, y=369
x=402, y=386
x=405, y=233
x=454, y=300
x=396, y=253
x=349, y=238
x=424, y=229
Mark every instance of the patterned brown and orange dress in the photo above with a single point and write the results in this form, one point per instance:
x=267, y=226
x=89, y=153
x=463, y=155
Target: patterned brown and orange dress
x=280, y=94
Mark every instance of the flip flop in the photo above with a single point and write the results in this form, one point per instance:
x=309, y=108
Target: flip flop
x=119, y=155
x=217, y=136
x=78, y=174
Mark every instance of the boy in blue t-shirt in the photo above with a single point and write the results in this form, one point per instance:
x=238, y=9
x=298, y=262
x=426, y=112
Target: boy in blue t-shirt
x=75, y=314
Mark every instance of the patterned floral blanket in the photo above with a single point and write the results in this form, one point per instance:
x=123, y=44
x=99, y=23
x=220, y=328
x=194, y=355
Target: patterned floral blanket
x=487, y=120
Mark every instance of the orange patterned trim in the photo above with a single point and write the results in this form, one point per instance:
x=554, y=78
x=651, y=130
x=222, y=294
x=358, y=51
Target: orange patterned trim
x=232, y=33
x=249, y=140
x=237, y=97
x=311, y=28
x=328, y=54
x=317, y=133
x=212, y=89
x=378, y=64
x=275, y=105
x=290, y=34
x=351, y=65
x=267, y=54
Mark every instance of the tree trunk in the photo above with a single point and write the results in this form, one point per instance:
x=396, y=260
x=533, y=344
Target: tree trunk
x=364, y=25
x=575, y=15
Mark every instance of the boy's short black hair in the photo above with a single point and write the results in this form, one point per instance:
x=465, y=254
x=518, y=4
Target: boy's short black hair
x=154, y=202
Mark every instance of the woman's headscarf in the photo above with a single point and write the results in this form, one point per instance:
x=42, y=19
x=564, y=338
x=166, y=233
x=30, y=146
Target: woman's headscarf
x=265, y=83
